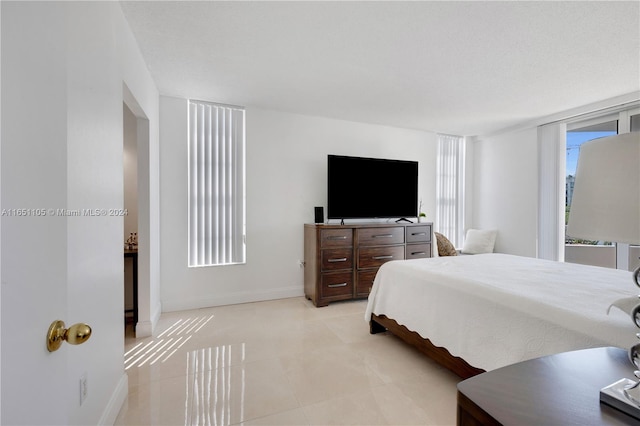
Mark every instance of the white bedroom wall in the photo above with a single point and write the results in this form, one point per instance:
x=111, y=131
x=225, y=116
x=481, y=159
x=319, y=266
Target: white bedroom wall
x=505, y=178
x=505, y=189
x=286, y=178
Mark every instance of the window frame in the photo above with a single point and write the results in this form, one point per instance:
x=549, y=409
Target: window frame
x=216, y=170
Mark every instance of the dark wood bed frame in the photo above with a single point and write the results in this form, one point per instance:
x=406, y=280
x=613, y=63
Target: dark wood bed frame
x=380, y=323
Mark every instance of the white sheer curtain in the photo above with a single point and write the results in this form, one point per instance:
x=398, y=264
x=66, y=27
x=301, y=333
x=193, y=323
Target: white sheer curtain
x=216, y=184
x=450, y=188
x=552, y=147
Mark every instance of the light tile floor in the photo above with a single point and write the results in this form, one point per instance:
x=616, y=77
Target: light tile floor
x=281, y=362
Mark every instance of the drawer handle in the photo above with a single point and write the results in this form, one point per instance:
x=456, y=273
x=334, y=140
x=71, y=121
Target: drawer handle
x=337, y=237
x=342, y=259
x=382, y=236
x=337, y=285
x=382, y=257
x=418, y=252
x=419, y=233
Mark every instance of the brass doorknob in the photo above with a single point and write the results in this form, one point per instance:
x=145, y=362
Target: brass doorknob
x=76, y=334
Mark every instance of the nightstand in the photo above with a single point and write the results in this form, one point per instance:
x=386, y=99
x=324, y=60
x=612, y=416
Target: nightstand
x=559, y=389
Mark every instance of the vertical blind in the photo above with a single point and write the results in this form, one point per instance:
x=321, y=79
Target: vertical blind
x=552, y=148
x=216, y=184
x=450, y=188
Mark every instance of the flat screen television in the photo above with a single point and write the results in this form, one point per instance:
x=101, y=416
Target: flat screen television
x=360, y=188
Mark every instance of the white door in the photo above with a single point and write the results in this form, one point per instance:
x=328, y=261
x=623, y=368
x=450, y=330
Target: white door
x=34, y=242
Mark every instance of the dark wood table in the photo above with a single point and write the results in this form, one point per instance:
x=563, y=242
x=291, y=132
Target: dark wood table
x=561, y=389
x=134, y=255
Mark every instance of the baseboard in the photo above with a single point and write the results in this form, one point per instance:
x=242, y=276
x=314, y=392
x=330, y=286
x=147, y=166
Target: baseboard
x=232, y=299
x=146, y=328
x=117, y=400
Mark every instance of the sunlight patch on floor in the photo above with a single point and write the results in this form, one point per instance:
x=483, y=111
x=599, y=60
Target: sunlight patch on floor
x=166, y=344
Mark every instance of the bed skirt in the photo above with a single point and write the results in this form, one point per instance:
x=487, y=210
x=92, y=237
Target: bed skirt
x=440, y=355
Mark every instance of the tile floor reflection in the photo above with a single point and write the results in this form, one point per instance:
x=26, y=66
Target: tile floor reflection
x=281, y=362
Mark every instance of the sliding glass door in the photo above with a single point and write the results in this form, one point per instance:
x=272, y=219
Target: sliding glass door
x=598, y=253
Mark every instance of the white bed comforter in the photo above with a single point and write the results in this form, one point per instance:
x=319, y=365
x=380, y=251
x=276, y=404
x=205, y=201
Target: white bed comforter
x=495, y=309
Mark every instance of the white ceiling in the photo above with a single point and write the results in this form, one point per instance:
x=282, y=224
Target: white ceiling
x=466, y=68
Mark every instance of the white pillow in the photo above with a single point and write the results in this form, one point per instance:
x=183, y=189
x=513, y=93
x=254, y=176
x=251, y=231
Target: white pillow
x=479, y=241
x=434, y=243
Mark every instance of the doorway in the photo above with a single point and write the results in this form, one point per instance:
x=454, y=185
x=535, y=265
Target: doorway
x=130, y=203
x=136, y=194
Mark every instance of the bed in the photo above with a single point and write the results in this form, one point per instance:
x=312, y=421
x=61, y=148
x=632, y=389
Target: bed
x=478, y=313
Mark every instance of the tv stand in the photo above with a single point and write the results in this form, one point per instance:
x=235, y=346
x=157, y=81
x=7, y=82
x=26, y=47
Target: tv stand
x=403, y=219
x=341, y=261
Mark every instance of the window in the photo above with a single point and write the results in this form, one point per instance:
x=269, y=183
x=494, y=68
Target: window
x=450, y=188
x=216, y=184
x=576, y=136
x=598, y=253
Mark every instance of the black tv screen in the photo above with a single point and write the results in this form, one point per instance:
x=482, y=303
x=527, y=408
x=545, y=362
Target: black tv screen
x=361, y=188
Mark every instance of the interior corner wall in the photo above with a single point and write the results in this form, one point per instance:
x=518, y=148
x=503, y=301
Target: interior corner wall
x=143, y=100
x=102, y=56
x=505, y=189
x=286, y=165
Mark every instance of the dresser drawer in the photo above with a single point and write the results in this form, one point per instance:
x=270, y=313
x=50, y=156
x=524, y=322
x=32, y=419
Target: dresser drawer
x=334, y=259
x=337, y=284
x=418, y=251
x=380, y=236
x=341, y=261
x=372, y=257
x=336, y=238
x=365, y=282
x=419, y=234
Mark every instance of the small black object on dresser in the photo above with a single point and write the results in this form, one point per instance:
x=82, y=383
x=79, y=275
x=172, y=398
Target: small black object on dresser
x=319, y=214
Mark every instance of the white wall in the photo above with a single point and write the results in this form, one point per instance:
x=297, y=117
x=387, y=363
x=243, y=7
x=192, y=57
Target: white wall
x=286, y=178
x=141, y=96
x=103, y=56
x=90, y=52
x=505, y=189
x=505, y=179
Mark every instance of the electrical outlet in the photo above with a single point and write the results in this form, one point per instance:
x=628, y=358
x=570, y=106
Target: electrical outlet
x=84, y=390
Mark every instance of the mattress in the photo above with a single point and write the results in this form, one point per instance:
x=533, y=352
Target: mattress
x=495, y=309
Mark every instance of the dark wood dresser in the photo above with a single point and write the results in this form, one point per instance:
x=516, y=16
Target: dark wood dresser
x=341, y=261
